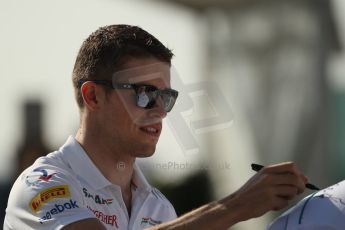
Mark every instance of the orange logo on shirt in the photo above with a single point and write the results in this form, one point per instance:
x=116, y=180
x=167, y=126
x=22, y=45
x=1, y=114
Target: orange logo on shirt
x=47, y=195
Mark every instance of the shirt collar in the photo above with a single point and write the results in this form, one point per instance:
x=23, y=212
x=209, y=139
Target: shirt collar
x=139, y=179
x=82, y=165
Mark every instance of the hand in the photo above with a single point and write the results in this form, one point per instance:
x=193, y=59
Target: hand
x=270, y=189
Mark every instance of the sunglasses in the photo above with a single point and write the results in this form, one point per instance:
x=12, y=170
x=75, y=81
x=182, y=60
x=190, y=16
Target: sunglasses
x=146, y=95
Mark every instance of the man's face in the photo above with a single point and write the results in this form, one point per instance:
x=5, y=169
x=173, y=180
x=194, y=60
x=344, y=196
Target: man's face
x=129, y=128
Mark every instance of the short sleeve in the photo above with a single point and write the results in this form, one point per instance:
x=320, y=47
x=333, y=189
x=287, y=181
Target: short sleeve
x=167, y=209
x=45, y=198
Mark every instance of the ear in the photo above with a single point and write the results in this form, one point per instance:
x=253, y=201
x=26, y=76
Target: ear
x=92, y=95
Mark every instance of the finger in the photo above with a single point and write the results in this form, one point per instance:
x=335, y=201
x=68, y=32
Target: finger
x=286, y=192
x=285, y=167
x=279, y=203
x=284, y=179
x=283, y=195
x=305, y=178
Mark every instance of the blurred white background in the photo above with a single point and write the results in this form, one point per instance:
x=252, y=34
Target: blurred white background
x=40, y=40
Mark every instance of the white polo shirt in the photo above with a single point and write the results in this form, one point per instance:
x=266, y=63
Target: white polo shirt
x=65, y=186
x=322, y=210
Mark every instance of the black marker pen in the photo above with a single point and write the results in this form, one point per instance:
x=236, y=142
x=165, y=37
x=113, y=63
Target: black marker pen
x=257, y=167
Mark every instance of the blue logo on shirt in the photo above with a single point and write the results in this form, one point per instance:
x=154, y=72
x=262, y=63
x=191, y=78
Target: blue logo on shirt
x=58, y=208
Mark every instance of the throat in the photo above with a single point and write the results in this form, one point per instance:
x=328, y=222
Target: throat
x=127, y=199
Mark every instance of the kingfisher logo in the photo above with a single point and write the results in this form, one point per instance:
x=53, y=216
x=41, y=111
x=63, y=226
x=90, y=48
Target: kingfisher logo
x=58, y=208
x=47, y=195
x=148, y=221
x=37, y=176
x=97, y=198
x=105, y=218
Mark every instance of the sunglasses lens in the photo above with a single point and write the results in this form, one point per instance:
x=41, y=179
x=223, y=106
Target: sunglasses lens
x=145, y=96
x=168, y=99
x=148, y=96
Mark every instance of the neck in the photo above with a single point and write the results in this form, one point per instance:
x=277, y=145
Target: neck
x=115, y=165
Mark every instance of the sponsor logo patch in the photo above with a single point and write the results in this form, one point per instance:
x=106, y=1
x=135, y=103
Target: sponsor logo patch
x=58, y=208
x=97, y=198
x=148, y=221
x=107, y=219
x=37, y=176
x=47, y=195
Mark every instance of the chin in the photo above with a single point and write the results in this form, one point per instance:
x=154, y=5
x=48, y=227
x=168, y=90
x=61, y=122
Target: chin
x=145, y=152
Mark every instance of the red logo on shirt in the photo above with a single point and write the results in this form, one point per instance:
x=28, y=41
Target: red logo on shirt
x=107, y=219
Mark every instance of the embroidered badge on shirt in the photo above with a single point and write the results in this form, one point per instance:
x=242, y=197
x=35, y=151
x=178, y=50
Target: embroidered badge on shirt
x=37, y=176
x=97, y=198
x=148, y=221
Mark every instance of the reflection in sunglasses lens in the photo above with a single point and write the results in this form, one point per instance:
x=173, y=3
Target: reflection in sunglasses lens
x=147, y=98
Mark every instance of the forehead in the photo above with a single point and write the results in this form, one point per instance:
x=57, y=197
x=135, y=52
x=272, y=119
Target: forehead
x=144, y=70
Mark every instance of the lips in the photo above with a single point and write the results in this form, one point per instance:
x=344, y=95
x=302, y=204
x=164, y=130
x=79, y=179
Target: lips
x=153, y=130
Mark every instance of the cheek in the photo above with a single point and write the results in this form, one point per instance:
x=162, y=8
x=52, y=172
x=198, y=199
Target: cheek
x=124, y=109
x=126, y=117
x=137, y=117
x=126, y=104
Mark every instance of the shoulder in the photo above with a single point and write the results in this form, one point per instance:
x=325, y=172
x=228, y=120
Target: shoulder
x=325, y=208
x=45, y=191
x=160, y=197
x=47, y=171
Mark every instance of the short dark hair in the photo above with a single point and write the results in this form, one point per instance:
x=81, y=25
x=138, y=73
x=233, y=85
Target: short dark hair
x=106, y=49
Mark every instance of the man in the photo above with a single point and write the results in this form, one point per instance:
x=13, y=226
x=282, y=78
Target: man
x=93, y=182
x=323, y=210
